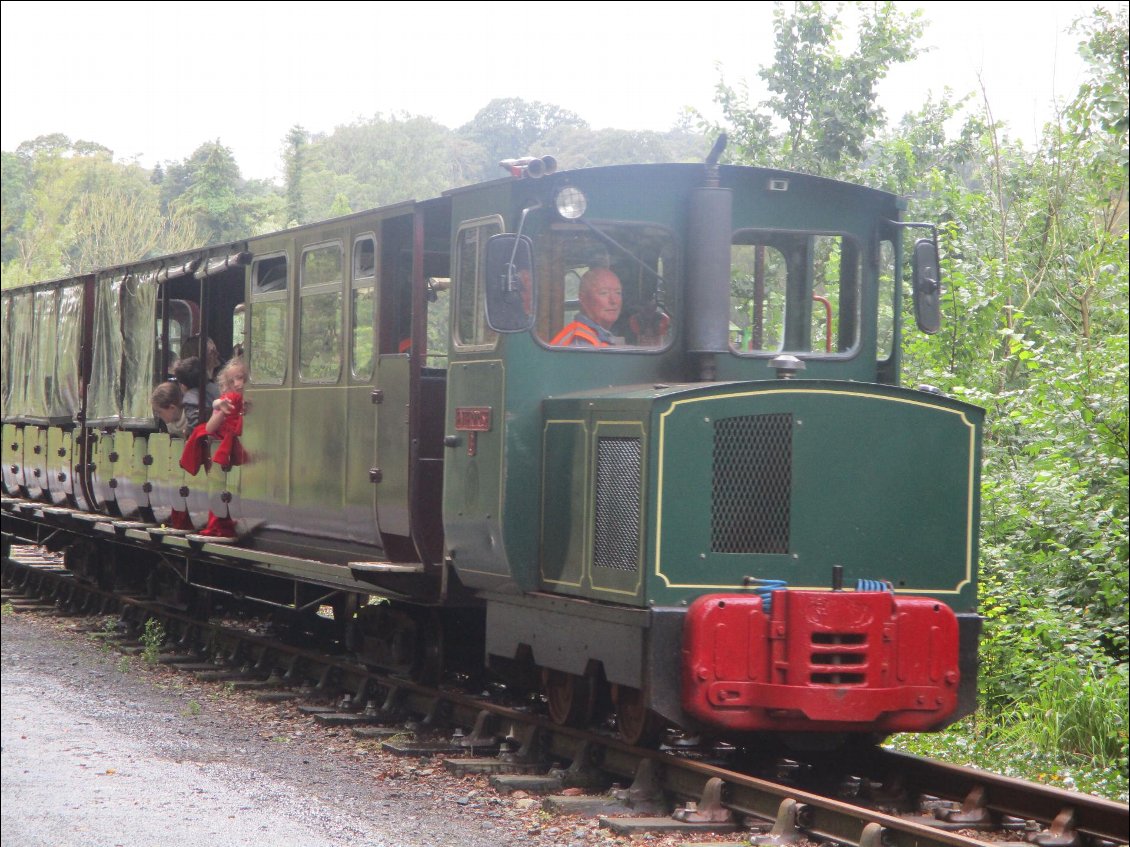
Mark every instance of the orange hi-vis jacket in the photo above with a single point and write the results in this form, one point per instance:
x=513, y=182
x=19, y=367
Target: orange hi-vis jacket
x=577, y=331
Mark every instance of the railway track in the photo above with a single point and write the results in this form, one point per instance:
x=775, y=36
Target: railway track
x=877, y=798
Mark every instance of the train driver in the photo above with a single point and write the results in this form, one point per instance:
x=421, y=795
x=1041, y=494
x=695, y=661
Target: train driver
x=600, y=298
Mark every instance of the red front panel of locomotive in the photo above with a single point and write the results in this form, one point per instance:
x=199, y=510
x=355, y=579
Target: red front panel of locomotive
x=823, y=661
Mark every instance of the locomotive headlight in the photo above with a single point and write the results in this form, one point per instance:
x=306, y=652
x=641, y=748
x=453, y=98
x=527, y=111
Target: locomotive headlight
x=571, y=203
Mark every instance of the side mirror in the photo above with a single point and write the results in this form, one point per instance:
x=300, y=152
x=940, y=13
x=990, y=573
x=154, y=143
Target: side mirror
x=926, y=282
x=510, y=291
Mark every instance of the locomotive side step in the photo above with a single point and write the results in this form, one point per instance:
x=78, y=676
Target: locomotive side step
x=386, y=567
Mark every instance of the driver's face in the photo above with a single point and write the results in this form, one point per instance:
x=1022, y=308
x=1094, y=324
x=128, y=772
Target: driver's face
x=602, y=300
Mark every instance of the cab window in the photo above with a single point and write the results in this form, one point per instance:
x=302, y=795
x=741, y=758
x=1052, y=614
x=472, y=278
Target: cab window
x=794, y=292
x=605, y=293
x=470, y=261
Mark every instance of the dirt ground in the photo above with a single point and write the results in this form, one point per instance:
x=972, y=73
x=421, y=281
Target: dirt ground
x=106, y=750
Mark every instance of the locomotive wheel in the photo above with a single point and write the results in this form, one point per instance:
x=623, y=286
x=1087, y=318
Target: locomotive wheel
x=570, y=698
x=637, y=724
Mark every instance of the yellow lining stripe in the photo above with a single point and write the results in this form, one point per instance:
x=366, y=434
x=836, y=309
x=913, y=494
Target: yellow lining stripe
x=968, y=578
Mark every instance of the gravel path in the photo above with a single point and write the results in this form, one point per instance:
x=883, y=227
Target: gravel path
x=108, y=751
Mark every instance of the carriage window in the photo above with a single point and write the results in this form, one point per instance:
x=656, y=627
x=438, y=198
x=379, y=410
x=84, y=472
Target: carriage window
x=68, y=351
x=363, y=307
x=604, y=293
x=269, y=275
x=139, y=321
x=106, y=353
x=794, y=292
x=470, y=258
x=238, y=327
x=21, y=323
x=5, y=355
x=319, y=339
x=364, y=257
x=183, y=324
x=267, y=349
x=40, y=384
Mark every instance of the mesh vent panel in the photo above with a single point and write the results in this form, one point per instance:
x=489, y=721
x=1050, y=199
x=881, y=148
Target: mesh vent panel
x=753, y=459
x=617, y=532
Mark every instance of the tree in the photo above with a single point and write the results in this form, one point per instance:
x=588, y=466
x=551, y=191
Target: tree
x=296, y=141
x=1104, y=99
x=510, y=127
x=226, y=207
x=15, y=174
x=1035, y=260
x=822, y=108
x=55, y=175
x=581, y=147
x=379, y=161
x=125, y=224
x=212, y=194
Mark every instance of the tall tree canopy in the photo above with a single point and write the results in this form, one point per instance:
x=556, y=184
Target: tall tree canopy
x=68, y=208
x=225, y=206
x=510, y=127
x=822, y=107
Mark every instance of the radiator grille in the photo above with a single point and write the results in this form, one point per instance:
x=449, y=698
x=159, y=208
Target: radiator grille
x=752, y=486
x=616, y=540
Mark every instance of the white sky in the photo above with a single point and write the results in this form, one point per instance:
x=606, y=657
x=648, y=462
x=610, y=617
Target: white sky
x=153, y=81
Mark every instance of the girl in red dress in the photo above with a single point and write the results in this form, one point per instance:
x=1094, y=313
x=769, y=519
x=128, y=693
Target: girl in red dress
x=226, y=424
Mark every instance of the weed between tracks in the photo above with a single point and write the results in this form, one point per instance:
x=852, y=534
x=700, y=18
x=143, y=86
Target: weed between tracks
x=1021, y=749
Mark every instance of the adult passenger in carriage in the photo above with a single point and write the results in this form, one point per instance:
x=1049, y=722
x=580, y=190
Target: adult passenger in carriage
x=168, y=406
x=601, y=299
x=190, y=374
x=191, y=347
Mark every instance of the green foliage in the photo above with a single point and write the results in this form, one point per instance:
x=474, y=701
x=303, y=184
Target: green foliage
x=69, y=208
x=510, y=127
x=1103, y=101
x=1078, y=710
x=581, y=147
x=152, y=640
x=380, y=161
x=1035, y=262
x=293, y=157
x=970, y=743
x=208, y=186
x=1034, y=252
x=825, y=100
